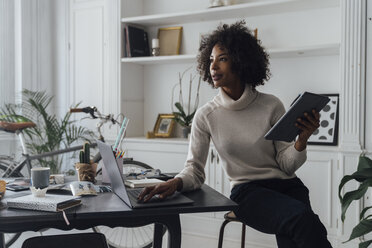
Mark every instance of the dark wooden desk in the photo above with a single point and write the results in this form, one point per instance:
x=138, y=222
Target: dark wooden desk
x=108, y=210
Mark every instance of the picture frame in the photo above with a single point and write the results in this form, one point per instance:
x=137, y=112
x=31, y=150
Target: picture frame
x=327, y=133
x=164, y=125
x=170, y=40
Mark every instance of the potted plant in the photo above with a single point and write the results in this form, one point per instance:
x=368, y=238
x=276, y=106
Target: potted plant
x=51, y=133
x=186, y=112
x=85, y=168
x=364, y=176
x=183, y=119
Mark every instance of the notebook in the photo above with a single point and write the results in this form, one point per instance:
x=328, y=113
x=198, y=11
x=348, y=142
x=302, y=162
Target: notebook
x=285, y=129
x=129, y=196
x=50, y=203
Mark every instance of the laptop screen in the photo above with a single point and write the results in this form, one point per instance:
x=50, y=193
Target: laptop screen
x=116, y=177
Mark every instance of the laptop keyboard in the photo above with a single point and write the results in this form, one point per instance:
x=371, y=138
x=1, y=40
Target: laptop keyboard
x=134, y=193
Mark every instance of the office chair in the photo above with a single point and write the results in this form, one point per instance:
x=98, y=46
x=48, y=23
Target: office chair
x=78, y=240
x=229, y=217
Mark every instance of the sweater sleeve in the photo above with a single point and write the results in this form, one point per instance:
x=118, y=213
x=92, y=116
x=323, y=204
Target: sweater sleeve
x=287, y=157
x=193, y=175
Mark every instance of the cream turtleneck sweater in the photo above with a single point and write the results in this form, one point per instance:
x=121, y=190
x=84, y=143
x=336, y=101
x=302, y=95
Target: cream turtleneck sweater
x=237, y=129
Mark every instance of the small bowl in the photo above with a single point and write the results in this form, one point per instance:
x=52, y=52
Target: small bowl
x=2, y=188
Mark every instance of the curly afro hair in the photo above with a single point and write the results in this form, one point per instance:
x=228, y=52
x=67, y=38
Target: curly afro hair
x=249, y=59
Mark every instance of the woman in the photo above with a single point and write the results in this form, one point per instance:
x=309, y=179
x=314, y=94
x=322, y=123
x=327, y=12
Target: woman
x=270, y=197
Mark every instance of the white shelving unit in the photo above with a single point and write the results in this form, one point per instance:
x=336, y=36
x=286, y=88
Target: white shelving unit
x=196, y=21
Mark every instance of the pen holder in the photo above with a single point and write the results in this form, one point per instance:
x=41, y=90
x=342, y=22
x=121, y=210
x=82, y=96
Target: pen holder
x=105, y=177
x=86, y=172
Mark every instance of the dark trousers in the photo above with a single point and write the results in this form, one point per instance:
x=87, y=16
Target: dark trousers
x=280, y=207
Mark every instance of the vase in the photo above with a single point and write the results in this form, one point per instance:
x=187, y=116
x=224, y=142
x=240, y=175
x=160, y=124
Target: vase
x=185, y=132
x=215, y=3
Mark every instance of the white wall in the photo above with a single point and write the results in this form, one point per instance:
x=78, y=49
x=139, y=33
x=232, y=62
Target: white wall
x=34, y=47
x=7, y=72
x=33, y=53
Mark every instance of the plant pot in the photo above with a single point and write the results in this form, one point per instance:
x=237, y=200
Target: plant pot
x=86, y=172
x=2, y=188
x=185, y=132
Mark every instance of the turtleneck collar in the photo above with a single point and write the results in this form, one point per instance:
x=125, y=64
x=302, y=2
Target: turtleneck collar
x=227, y=102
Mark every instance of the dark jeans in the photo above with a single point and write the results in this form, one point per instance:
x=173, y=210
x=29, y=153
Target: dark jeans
x=280, y=207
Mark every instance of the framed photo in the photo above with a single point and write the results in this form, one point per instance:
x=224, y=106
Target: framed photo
x=170, y=40
x=164, y=125
x=327, y=133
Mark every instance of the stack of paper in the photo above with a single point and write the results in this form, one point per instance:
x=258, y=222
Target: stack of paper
x=139, y=183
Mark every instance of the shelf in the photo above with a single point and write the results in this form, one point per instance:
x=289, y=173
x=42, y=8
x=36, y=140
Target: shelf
x=187, y=58
x=262, y=7
x=295, y=52
x=185, y=142
x=171, y=141
x=306, y=51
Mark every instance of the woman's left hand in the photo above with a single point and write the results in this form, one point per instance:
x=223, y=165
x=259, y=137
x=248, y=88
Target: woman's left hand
x=307, y=125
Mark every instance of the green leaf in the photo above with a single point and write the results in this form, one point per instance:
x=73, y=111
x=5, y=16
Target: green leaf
x=364, y=227
x=364, y=163
x=344, y=180
x=365, y=244
x=360, y=176
x=190, y=117
x=180, y=121
x=368, y=217
x=354, y=195
x=361, y=216
x=180, y=108
x=181, y=117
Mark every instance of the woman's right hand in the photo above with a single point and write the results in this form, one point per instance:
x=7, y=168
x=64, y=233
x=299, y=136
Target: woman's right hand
x=163, y=189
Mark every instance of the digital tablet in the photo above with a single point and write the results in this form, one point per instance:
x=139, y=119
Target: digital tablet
x=285, y=129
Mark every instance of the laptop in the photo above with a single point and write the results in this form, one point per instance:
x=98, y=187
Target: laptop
x=129, y=196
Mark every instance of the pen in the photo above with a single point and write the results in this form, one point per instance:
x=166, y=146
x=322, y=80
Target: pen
x=120, y=133
x=123, y=133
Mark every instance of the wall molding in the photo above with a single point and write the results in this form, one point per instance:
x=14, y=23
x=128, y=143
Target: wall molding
x=112, y=92
x=352, y=75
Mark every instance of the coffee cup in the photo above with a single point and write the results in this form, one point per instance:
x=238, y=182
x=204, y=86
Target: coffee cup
x=40, y=177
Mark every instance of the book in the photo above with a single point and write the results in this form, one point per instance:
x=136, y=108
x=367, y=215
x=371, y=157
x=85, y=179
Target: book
x=50, y=203
x=125, y=42
x=137, y=44
x=19, y=184
x=285, y=129
x=140, y=183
